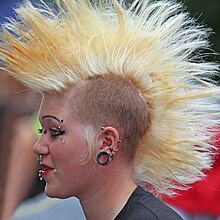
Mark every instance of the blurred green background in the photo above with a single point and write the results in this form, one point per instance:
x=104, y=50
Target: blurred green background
x=207, y=12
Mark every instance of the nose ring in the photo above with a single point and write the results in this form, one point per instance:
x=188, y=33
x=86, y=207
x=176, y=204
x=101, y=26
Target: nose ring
x=39, y=158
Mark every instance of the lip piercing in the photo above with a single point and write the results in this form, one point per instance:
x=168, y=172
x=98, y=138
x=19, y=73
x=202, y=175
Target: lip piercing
x=40, y=175
x=55, y=170
x=40, y=158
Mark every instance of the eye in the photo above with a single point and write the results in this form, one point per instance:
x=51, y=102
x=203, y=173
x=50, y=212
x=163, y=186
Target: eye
x=41, y=130
x=56, y=132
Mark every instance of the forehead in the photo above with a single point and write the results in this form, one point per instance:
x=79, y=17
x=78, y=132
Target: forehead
x=61, y=105
x=50, y=99
x=54, y=105
x=66, y=103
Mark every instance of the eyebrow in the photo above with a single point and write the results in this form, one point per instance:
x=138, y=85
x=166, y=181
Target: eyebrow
x=52, y=116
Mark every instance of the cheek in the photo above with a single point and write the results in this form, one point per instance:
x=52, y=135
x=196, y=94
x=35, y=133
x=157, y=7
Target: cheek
x=71, y=154
x=74, y=168
x=76, y=174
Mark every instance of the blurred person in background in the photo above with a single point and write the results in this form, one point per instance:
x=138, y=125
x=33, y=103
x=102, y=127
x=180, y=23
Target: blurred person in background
x=16, y=109
x=8, y=111
x=19, y=183
x=15, y=105
x=20, y=177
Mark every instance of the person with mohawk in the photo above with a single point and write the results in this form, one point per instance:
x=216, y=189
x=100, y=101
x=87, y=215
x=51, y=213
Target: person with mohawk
x=127, y=101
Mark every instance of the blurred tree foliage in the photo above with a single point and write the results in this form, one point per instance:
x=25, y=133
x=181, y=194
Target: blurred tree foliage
x=207, y=12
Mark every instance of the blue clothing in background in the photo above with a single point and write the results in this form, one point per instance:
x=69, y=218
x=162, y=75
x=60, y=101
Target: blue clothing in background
x=42, y=207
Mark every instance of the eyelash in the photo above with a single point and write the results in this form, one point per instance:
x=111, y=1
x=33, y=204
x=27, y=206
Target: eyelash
x=54, y=132
x=40, y=130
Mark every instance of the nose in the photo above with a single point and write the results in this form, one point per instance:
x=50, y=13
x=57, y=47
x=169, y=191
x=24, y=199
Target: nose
x=41, y=147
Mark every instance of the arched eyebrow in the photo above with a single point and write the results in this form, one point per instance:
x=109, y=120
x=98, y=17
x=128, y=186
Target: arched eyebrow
x=52, y=116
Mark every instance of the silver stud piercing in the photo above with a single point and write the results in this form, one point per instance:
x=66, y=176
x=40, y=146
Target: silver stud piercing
x=61, y=138
x=39, y=158
x=40, y=175
x=61, y=121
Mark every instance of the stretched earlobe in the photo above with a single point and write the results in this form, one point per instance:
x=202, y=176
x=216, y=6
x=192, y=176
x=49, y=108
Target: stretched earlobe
x=103, y=158
x=105, y=155
x=110, y=141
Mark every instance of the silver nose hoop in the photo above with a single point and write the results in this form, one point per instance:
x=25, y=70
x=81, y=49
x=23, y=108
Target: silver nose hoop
x=39, y=158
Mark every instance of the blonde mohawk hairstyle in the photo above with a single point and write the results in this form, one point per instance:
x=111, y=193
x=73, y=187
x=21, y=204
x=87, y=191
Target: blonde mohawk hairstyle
x=155, y=45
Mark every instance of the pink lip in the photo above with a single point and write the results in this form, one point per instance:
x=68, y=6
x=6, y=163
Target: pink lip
x=46, y=169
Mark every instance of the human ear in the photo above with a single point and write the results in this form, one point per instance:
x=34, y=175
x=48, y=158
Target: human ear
x=110, y=140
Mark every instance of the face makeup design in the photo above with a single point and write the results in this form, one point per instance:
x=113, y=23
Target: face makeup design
x=54, y=133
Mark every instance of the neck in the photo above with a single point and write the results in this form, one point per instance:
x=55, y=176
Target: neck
x=110, y=196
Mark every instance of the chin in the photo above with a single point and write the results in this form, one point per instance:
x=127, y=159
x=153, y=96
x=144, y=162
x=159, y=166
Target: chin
x=52, y=193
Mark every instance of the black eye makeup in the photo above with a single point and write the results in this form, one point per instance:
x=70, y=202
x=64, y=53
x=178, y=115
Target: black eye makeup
x=47, y=121
x=56, y=132
x=41, y=130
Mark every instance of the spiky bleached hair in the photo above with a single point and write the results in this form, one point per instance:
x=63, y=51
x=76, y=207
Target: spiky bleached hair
x=156, y=45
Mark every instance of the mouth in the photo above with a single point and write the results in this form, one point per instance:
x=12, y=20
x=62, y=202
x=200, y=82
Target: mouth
x=45, y=170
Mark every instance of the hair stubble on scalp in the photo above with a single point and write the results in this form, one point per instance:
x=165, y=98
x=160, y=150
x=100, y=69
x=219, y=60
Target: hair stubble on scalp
x=111, y=100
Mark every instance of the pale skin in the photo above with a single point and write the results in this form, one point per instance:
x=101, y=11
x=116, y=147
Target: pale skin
x=102, y=190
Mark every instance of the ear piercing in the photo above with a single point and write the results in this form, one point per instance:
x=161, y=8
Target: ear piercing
x=119, y=141
x=103, y=158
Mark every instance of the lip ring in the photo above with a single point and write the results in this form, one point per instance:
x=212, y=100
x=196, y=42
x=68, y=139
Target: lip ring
x=44, y=173
x=44, y=170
